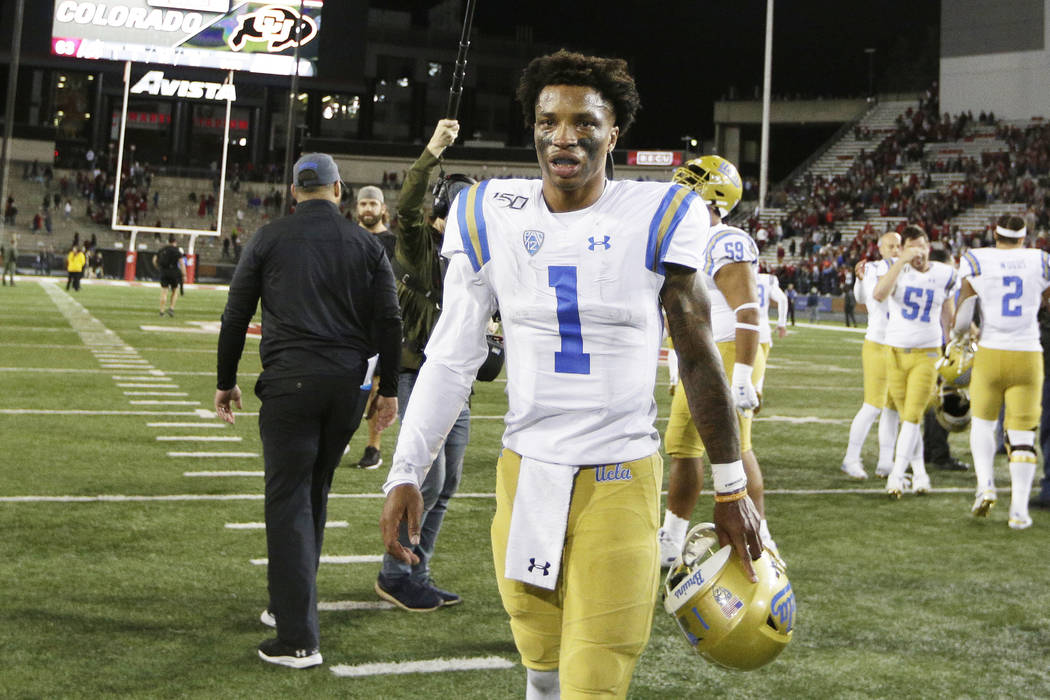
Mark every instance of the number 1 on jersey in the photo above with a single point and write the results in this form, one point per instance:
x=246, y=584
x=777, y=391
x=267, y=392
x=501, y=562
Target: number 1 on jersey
x=571, y=359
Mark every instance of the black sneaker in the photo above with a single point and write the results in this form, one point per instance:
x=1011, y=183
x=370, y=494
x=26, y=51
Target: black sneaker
x=952, y=465
x=170, y=312
x=371, y=460
x=408, y=594
x=275, y=651
x=448, y=598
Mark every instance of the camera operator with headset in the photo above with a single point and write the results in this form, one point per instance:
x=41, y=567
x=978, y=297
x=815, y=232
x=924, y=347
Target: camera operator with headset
x=420, y=270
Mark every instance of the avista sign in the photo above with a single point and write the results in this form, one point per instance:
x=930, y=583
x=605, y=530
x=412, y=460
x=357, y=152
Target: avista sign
x=154, y=83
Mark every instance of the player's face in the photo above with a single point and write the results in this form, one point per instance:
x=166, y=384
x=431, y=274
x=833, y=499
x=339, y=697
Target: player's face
x=575, y=129
x=369, y=212
x=917, y=252
x=890, y=245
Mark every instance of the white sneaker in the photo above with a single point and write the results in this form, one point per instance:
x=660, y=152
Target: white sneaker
x=1019, y=522
x=854, y=470
x=669, y=549
x=983, y=503
x=267, y=618
x=920, y=484
x=896, y=485
x=883, y=470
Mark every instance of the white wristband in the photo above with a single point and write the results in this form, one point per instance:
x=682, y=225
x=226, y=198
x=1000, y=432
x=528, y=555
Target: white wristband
x=728, y=478
x=741, y=373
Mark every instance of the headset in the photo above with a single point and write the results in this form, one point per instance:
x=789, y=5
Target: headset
x=445, y=191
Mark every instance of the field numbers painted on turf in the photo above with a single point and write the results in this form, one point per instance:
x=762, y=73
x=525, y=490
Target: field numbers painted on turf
x=913, y=301
x=571, y=359
x=1009, y=308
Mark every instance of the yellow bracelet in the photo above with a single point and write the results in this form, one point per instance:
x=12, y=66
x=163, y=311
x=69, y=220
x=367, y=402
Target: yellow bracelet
x=730, y=497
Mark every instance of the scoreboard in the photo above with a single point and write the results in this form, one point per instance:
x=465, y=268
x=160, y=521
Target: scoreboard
x=258, y=37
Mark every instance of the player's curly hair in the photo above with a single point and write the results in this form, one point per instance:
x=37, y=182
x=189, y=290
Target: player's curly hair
x=609, y=76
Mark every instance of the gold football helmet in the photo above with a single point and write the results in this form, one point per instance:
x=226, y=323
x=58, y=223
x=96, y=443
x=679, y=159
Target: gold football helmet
x=715, y=179
x=953, y=408
x=727, y=619
x=956, y=365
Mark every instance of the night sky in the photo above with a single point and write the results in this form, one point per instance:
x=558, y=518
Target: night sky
x=689, y=53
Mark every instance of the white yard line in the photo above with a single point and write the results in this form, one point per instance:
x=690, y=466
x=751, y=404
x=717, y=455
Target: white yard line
x=199, y=438
x=210, y=455
x=157, y=393
x=87, y=412
x=211, y=475
x=352, y=559
x=151, y=402
x=124, y=378
x=186, y=425
x=481, y=663
x=262, y=526
x=189, y=497
x=131, y=385
x=344, y=605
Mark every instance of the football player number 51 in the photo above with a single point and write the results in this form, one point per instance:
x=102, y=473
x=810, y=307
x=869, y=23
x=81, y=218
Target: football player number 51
x=571, y=359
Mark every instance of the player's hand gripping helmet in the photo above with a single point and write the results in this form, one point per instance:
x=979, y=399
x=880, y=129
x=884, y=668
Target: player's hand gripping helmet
x=715, y=179
x=953, y=408
x=727, y=619
x=956, y=365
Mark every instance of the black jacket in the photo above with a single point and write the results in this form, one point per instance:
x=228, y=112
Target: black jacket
x=328, y=299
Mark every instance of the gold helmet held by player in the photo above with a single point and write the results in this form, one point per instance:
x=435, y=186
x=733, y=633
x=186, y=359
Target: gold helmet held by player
x=727, y=619
x=956, y=365
x=715, y=179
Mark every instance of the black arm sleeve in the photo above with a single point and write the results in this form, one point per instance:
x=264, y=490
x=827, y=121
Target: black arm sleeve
x=387, y=326
x=241, y=303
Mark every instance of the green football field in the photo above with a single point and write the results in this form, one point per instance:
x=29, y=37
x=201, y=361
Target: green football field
x=130, y=550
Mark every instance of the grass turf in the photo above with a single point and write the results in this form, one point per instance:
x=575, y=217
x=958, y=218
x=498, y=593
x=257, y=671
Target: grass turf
x=159, y=599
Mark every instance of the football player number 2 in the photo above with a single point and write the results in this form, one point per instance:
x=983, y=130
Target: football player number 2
x=571, y=359
x=913, y=302
x=1016, y=286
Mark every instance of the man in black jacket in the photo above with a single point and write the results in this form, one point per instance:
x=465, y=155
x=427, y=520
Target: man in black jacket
x=328, y=304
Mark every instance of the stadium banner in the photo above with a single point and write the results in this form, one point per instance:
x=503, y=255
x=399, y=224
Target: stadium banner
x=258, y=37
x=657, y=159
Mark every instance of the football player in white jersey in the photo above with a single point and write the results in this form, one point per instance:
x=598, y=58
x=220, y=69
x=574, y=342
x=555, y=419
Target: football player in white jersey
x=921, y=310
x=877, y=403
x=730, y=267
x=578, y=267
x=1011, y=281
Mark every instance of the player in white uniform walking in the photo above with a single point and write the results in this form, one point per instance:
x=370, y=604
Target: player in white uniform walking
x=730, y=263
x=877, y=403
x=921, y=310
x=1011, y=281
x=578, y=267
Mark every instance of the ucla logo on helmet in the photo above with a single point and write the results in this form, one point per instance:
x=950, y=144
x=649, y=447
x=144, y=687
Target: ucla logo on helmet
x=783, y=608
x=533, y=241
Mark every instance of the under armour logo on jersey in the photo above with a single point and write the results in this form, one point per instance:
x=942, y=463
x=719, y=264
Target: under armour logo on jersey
x=545, y=568
x=604, y=243
x=533, y=241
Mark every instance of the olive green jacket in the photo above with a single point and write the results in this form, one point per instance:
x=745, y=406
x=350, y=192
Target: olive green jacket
x=418, y=269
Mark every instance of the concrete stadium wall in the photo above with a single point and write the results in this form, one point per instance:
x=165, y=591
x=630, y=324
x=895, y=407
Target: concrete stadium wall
x=995, y=56
x=31, y=149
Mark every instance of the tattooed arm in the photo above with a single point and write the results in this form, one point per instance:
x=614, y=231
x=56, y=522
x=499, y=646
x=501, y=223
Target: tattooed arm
x=707, y=390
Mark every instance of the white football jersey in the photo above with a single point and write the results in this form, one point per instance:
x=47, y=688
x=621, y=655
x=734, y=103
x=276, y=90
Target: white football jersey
x=578, y=294
x=768, y=285
x=726, y=244
x=915, y=306
x=1010, y=284
x=878, y=311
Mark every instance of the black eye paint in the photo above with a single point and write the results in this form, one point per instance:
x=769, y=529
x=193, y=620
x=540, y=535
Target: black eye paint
x=590, y=147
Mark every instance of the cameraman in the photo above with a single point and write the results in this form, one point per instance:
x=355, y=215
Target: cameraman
x=420, y=271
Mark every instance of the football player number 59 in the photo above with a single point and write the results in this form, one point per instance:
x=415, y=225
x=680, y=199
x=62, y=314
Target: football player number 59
x=571, y=359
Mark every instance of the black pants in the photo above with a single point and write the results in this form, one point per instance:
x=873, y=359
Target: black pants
x=74, y=279
x=934, y=440
x=305, y=423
